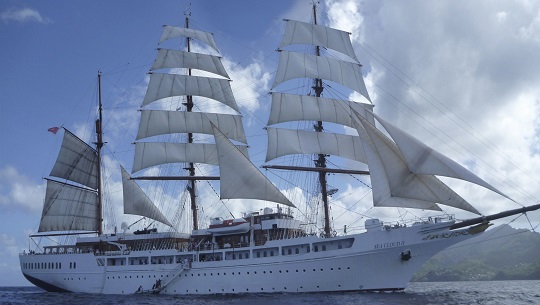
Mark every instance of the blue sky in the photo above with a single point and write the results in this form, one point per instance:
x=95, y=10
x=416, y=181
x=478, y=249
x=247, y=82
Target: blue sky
x=462, y=76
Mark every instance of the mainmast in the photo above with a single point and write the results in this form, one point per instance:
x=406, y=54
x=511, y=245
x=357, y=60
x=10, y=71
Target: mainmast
x=190, y=121
x=191, y=168
x=321, y=160
x=99, y=145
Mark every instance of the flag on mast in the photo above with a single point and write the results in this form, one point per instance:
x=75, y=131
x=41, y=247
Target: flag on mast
x=53, y=129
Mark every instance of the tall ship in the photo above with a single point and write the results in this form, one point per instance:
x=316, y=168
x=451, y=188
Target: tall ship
x=262, y=251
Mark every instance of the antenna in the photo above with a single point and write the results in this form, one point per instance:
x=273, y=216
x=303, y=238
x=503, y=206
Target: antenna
x=187, y=11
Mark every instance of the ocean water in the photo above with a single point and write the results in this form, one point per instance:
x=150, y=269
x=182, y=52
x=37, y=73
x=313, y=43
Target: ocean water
x=441, y=293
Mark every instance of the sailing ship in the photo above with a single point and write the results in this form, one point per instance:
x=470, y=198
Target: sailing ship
x=268, y=250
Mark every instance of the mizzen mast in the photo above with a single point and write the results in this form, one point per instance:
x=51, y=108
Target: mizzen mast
x=99, y=145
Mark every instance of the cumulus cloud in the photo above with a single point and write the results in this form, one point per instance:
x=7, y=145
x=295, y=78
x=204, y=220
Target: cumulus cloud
x=461, y=78
x=23, y=15
x=17, y=192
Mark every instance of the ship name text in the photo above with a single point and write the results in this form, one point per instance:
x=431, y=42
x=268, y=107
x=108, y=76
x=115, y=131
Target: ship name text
x=446, y=235
x=389, y=244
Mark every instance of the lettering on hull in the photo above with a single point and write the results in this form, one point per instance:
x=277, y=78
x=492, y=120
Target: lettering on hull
x=389, y=245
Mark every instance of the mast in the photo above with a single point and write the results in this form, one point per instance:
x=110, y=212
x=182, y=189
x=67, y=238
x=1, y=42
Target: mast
x=189, y=121
x=321, y=160
x=191, y=168
x=99, y=145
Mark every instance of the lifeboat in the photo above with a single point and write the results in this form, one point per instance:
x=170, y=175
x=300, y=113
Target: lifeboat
x=218, y=226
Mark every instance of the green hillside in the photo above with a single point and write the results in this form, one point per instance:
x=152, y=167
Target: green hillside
x=501, y=253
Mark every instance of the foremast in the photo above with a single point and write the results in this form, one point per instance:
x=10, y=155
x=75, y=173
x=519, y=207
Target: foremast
x=318, y=106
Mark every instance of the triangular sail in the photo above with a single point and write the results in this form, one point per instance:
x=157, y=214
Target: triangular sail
x=240, y=179
x=137, y=203
x=422, y=159
x=390, y=176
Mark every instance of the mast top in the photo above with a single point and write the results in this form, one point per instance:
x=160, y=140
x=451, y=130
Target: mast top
x=187, y=11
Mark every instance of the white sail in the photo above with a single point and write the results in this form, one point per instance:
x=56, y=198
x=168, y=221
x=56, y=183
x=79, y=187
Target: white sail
x=170, y=32
x=167, y=58
x=69, y=208
x=168, y=85
x=283, y=142
x=390, y=176
x=149, y=154
x=297, y=32
x=422, y=159
x=137, y=203
x=76, y=161
x=239, y=178
x=299, y=65
x=294, y=107
x=158, y=122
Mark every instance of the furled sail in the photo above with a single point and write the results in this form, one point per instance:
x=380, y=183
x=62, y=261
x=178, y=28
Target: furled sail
x=283, y=142
x=158, y=122
x=240, y=179
x=300, y=65
x=69, y=208
x=422, y=159
x=76, y=161
x=168, y=58
x=170, y=32
x=137, y=203
x=297, y=32
x=391, y=178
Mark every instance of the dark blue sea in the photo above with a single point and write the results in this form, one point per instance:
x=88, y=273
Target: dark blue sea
x=441, y=293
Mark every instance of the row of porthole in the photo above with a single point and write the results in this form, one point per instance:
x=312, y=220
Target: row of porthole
x=264, y=272
x=48, y=265
x=224, y=273
x=142, y=277
x=247, y=289
x=72, y=279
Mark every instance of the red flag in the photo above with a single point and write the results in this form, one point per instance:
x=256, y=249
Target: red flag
x=53, y=129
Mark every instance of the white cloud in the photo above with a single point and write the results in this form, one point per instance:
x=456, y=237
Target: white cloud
x=461, y=78
x=17, y=192
x=23, y=15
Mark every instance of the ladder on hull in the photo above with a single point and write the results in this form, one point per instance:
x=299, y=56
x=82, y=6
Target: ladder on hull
x=169, y=278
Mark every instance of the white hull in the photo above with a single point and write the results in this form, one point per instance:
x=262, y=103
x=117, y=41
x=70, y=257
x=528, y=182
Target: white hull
x=372, y=262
